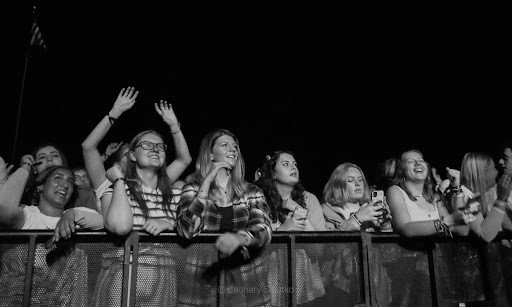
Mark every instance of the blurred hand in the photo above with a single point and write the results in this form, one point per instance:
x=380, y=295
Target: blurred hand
x=454, y=176
x=436, y=176
x=112, y=148
x=5, y=169
x=156, y=226
x=228, y=243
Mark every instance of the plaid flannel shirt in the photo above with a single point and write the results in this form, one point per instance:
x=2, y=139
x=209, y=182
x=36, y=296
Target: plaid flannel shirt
x=250, y=214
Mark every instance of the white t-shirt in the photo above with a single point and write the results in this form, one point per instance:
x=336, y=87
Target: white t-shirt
x=34, y=219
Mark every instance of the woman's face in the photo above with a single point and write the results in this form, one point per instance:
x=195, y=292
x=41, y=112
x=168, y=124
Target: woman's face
x=225, y=149
x=58, y=188
x=415, y=167
x=154, y=156
x=355, y=185
x=47, y=156
x=491, y=173
x=286, y=170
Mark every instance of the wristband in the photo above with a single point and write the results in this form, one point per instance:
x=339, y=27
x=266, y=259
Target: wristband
x=177, y=131
x=111, y=119
x=117, y=179
x=105, y=154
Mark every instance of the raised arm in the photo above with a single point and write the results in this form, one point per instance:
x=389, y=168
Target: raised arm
x=92, y=158
x=4, y=171
x=11, y=211
x=118, y=216
x=183, y=157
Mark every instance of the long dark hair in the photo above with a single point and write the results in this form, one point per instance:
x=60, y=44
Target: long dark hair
x=135, y=184
x=43, y=177
x=267, y=183
x=30, y=187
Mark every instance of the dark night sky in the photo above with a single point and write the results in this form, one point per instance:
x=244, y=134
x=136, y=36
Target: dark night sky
x=332, y=82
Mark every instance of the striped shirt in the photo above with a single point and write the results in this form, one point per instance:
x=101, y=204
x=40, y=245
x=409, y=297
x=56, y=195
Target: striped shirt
x=153, y=200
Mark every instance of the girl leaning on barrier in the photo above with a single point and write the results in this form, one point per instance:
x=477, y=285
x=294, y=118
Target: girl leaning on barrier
x=62, y=282
x=292, y=208
x=219, y=199
x=142, y=197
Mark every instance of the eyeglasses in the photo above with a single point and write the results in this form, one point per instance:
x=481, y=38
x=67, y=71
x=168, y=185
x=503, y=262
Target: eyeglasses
x=150, y=145
x=81, y=177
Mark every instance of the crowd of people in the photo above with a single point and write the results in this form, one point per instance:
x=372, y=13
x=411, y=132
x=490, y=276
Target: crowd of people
x=133, y=187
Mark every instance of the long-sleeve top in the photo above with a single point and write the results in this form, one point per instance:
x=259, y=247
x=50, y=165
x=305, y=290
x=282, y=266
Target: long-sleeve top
x=489, y=226
x=250, y=214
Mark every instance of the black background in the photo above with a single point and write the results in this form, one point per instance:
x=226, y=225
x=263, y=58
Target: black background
x=336, y=82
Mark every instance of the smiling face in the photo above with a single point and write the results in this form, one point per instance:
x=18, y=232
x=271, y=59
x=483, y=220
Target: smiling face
x=58, y=188
x=286, y=170
x=148, y=158
x=47, y=156
x=225, y=149
x=355, y=185
x=415, y=167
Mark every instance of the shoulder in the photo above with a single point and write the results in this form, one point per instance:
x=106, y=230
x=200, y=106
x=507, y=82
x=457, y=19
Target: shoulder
x=311, y=200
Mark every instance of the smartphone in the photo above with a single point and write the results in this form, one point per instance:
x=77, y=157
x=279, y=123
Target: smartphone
x=377, y=195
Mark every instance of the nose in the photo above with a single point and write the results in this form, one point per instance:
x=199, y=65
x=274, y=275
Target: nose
x=501, y=162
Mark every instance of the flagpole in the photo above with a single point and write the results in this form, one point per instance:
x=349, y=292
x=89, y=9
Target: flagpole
x=20, y=103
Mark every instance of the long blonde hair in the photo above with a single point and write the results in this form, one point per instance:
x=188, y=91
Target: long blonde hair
x=472, y=175
x=335, y=190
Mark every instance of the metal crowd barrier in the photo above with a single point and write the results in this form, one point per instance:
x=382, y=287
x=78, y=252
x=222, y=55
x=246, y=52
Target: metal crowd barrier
x=296, y=269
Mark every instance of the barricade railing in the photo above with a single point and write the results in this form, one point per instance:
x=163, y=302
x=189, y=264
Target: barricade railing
x=314, y=268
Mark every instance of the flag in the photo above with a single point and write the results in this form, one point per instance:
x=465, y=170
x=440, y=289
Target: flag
x=37, y=38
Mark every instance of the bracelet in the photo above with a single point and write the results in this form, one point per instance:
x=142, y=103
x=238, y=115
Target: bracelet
x=177, y=131
x=117, y=179
x=356, y=219
x=111, y=119
x=441, y=226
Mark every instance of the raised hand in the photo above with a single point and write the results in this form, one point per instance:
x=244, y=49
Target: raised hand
x=454, y=176
x=215, y=169
x=125, y=100
x=436, y=176
x=112, y=148
x=164, y=109
x=4, y=170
